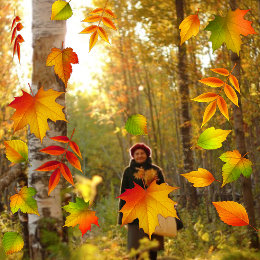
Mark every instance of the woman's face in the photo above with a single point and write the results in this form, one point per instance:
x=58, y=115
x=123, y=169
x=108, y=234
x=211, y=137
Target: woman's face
x=140, y=156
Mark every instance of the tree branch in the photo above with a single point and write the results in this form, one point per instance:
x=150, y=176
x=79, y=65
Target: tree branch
x=9, y=176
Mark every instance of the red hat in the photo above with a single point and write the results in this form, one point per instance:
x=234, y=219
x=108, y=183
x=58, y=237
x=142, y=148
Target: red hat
x=140, y=146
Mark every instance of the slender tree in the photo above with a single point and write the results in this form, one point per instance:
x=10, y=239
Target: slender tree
x=46, y=35
x=185, y=111
x=241, y=146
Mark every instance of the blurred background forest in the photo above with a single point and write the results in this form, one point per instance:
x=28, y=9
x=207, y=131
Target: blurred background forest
x=144, y=71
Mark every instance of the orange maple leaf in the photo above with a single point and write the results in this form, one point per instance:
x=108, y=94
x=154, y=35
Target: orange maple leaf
x=147, y=204
x=61, y=60
x=232, y=213
x=199, y=178
x=189, y=27
x=35, y=110
x=147, y=175
x=80, y=214
x=228, y=29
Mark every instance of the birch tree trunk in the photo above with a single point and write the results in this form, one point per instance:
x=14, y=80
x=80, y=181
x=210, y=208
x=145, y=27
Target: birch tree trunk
x=46, y=35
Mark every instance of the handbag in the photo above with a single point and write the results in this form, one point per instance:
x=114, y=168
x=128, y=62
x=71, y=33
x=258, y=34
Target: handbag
x=167, y=226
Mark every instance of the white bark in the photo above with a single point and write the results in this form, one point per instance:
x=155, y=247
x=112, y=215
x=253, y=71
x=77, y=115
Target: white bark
x=47, y=34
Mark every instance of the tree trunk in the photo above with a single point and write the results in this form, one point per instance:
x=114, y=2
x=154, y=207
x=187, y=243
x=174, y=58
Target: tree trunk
x=241, y=146
x=185, y=112
x=46, y=35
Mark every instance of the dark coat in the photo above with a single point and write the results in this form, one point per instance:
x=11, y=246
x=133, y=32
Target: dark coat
x=127, y=182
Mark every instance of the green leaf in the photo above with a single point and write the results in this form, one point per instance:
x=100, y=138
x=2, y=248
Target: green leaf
x=136, y=125
x=234, y=166
x=12, y=242
x=212, y=138
x=80, y=214
x=61, y=10
x=228, y=29
x=24, y=201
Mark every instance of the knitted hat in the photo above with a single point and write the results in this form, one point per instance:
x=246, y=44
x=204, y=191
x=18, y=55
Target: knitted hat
x=140, y=146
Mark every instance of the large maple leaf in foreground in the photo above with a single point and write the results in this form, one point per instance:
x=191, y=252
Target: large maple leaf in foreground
x=147, y=204
x=35, y=110
x=80, y=214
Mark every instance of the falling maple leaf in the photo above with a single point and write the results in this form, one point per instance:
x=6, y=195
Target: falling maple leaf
x=61, y=60
x=199, y=178
x=136, y=125
x=189, y=27
x=234, y=166
x=96, y=29
x=147, y=204
x=35, y=110
x=16, y=151
x=228, y=29
x=232, y=213
x=61, y=10
x=12, y=242
x=80, y=214
x=212, y=138
x=24, y=201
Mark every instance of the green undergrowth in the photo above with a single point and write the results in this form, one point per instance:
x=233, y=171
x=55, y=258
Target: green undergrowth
x=198, y=240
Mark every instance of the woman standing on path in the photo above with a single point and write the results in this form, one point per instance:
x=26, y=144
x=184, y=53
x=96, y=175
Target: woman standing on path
x=141, y=161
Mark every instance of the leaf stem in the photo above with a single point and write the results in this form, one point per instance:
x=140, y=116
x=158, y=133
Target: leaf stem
x=197, y=11
x=30, y=88
x=254, y=228
x=102, y=13
x=245, y=154
x=16, y=190
x=233, y=68
x=68, y=144
x=143, y=183
x=218, y=180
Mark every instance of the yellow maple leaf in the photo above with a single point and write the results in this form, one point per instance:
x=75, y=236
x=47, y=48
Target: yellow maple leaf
x=189, y=27
x=147, y=204
x=199, y=178
x=147, y=175
x=35, y=110
x=61, y=60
